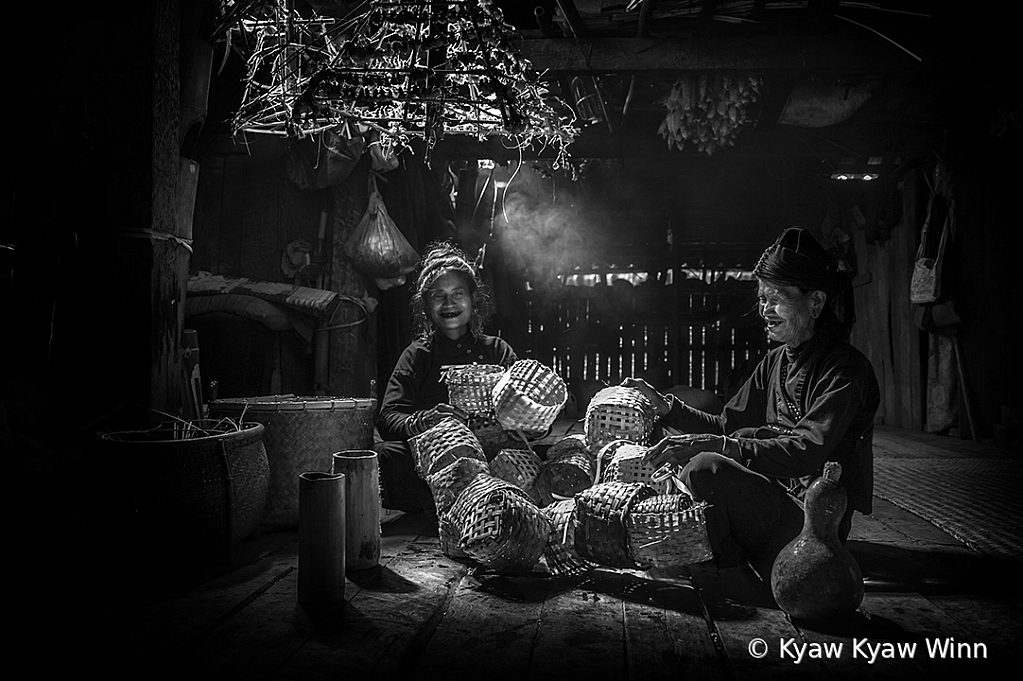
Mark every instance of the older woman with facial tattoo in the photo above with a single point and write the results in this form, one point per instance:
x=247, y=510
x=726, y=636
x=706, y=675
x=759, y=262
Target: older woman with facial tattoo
x=449, y=308
x=811, y=400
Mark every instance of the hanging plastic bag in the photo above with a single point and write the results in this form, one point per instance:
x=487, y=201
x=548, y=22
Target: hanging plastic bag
x=377, y=246
x=324, y=160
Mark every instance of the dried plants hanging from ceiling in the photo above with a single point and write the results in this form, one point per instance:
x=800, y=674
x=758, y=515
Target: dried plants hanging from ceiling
x=406, y=69
x=708, y=111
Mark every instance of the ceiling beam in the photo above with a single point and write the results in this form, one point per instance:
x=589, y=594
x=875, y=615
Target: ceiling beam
x=703, y=53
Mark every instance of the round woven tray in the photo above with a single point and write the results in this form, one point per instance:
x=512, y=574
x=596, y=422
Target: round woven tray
x=301, y=435
x=600, y=530
x=499, y=526
x=618, y=413
x=442, y=445
x=529, y=396
x=471, y=387
x=668, y=530
x=447, y=483
x=560, y=554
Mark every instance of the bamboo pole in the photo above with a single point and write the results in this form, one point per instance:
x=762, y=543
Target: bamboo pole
x=321, y=539
x=362, y=507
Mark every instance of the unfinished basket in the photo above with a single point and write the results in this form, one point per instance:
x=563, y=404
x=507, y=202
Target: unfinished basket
x=471, y=387
x=560, y=554
x=668, y=530
x=601, y=536
x=564, y=477
x=517, y=466
x=529, y=396
x=499, y=526
x=442, y=445
x=618, y=413
x=447, y=483
x=625, y=464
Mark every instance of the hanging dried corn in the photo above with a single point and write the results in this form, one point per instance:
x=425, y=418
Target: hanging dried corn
x=708, y=111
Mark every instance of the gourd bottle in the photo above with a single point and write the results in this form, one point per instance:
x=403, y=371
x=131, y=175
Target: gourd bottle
x=815, y=577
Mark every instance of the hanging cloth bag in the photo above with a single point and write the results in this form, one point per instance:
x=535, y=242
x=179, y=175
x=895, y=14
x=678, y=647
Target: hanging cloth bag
x=377, y=247
x=925, y=284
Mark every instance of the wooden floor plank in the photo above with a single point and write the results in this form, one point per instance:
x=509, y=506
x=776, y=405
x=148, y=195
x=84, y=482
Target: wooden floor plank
x=488, y=630
x=581, y=630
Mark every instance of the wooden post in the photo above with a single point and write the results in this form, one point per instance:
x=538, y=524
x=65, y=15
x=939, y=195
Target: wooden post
x=362, y=507
x=321, y=539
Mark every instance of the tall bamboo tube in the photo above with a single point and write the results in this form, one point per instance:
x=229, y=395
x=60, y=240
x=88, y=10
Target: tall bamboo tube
x=362, y=506
x=321, y=539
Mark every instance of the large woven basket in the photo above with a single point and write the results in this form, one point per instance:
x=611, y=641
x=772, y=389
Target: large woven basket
x=517, y=466
x=194, y=497
x=442, y=445
x=618, y=413
x=302, y=434
x=471, y=387
x=625, y=464
x=560, y=554
x=570, y=443
x=447, y=483
x=499, y=526
x=601, y=536
x=450, y=536
x=668, y=530
x=529, y=396
x=564, y=477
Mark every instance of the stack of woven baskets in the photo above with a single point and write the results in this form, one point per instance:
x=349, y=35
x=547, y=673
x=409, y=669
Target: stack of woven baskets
x=591, y=502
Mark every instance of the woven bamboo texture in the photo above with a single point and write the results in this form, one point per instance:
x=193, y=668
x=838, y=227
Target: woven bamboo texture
x=301, y=435
x=601, y=535
x=560, y=554
x=618, y=413
x=450, y=536
x=529, y=397
x=442, y=445
x=492, y=436
x=499, y=526
x=668, y=530
x=570, y=443
x=517, y=466
x=626, y=465
x=202, y=495
x=564, y=477
x=447, y=483
x=471, y=387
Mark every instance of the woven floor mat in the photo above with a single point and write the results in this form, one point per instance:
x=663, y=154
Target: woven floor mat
x=978, y=501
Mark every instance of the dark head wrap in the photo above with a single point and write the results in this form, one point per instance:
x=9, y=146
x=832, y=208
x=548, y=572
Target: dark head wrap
x=797, y=259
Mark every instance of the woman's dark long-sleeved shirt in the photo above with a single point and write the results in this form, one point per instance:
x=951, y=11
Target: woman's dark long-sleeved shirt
x=799, y=409
x=416, y=384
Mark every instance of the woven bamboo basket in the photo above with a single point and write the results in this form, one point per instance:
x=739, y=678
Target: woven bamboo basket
x=517, y=466
x=626, y=465
x=471, y=387
x=302, y=434
x=570, y=443
x=560, y=554
x=193, y=497
x=668, y=530
x=601, y=536
x=442, y=445
x=618, y=413
x=450, y=536
x=492, y=436
x=564, y=477
x=499, y=526
x=447, y=483
x=529, y=396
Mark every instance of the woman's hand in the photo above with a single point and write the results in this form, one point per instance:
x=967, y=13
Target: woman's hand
x=679, y=449
x=428, y=418
x=658, y=401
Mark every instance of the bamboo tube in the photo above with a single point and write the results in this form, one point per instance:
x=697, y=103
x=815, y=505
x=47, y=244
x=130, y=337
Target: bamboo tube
x=362, y=507
x=321, y=539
